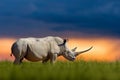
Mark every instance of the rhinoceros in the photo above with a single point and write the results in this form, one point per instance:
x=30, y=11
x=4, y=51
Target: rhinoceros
x=43, y=49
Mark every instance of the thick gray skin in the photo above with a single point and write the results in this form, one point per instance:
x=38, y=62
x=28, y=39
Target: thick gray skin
x=42, y=49
x=39, y=49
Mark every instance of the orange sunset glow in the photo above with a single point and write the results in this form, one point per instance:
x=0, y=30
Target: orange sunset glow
x=103, y=49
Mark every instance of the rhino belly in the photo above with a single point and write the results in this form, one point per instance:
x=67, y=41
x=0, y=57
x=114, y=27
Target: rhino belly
x=31, y=57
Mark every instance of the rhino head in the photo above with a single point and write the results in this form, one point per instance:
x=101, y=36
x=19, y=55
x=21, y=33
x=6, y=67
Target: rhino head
x=70, y=54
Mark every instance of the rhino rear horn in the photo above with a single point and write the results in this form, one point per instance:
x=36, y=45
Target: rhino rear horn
x=74, y=49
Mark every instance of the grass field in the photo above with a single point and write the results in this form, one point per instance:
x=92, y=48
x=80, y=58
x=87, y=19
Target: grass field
x=78, y=70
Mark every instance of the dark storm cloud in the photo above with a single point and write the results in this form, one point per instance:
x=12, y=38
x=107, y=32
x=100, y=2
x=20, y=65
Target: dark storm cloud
x=109, y=26
x=87, y=17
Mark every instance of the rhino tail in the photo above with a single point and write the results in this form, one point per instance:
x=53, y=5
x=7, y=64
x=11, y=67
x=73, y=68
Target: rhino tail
x=11, y=54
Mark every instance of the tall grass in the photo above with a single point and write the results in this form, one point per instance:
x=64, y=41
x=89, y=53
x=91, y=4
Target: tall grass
x=78, y=70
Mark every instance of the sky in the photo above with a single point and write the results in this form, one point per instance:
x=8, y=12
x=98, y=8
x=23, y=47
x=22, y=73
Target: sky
x=87, y=20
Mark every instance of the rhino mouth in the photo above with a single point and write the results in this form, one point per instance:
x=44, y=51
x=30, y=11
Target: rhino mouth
x=71, y=59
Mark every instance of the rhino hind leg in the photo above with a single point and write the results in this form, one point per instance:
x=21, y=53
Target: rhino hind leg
x=18, y=58
x=17, y=61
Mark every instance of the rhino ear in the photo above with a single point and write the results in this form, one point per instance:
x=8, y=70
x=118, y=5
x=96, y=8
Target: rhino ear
x=64, y=42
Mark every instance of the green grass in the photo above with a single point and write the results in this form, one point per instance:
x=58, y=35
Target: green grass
x=78, y=70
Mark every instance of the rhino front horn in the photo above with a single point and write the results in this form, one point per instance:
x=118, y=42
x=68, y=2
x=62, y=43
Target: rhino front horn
x=80, y=52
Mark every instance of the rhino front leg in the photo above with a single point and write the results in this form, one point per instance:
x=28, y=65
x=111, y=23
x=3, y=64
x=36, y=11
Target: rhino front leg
x=53, y=58
x=44, y=61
